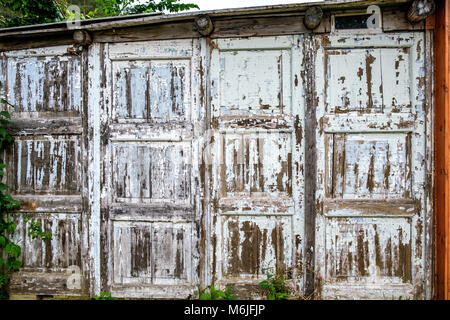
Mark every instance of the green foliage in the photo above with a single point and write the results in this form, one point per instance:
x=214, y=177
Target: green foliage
x=26, y=12
x=35, y=230
x=211, y=293
x=104, y=296
x=10, y=251
x=275, y=286
x=111, y=8
x=85, y=5
x=395, y=298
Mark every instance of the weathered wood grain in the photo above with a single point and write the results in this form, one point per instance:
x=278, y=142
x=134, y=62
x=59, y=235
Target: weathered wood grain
x=441, y=129
x=258, y=120
x=45, y=161
x=164, y=161
x=374, y=177
x=148, y=185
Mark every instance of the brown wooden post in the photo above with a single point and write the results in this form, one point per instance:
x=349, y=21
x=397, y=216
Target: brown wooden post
x=442, y=153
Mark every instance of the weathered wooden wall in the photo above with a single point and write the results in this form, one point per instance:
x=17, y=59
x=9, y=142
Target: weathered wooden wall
x=442, y=32
x=165, y=161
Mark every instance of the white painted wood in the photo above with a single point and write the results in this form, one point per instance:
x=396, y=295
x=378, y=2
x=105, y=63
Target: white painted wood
x=149, y=189
x=45, y=170
x=258, y=115
x=196, y=157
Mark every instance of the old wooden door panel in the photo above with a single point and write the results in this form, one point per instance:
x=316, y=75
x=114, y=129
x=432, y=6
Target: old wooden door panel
x=45, y=170
x=257, y=115
x=148, y=191
x=371, y=168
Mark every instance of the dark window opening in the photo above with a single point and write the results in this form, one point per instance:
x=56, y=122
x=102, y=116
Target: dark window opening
x=351, y=22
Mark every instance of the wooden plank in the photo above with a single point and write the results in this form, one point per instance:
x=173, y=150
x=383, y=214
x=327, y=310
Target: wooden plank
x=165, y=31
x=136, y=20
x=268, y=21
x=429, y=225
x=257, y=26
x=35, y=41
x=93, y=98
x=442, y=145
x=59, y=126
x=44, y=283
x=311, y=164
x=395, y=20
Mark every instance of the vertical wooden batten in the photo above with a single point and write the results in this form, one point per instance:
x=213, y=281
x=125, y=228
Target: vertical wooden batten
x=442, y=147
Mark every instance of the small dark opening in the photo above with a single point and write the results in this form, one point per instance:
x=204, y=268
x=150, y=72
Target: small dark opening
x=351, y=22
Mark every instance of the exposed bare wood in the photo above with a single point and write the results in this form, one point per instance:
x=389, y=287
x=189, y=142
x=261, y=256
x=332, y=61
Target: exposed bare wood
x=151, y=32
x=164, y=159
x=442, y=163
x=18, y=43
x=118, y=22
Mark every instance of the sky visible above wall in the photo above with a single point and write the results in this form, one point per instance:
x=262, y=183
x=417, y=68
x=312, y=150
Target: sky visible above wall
x=222, y=4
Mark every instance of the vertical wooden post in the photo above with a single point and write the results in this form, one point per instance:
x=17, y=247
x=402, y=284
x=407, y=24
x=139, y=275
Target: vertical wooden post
x=442, y=147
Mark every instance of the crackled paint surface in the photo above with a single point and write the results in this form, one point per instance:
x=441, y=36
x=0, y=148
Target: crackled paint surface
x=149, y=193
x=371, y=171
x=45, y=86
x=257, y=174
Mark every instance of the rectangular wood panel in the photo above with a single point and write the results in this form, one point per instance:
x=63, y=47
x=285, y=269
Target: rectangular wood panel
x=47, y=164
x=156, y=91
x=152, y=172
x=368, y=80
x=370, y=166
x=369, y=249
x=255, y=245
x=152, y=253
x=44, y=84
x=245, y=171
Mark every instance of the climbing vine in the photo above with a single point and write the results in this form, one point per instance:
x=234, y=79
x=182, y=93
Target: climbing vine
x=9, y=250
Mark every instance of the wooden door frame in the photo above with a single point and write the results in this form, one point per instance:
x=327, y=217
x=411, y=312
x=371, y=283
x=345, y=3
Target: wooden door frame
x=442, y=153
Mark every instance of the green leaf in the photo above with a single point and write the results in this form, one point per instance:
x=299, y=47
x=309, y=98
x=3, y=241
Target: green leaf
x=13, y=249
x=12, y=227
x=13, y=264
x=3, y=242
x=5, y=114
